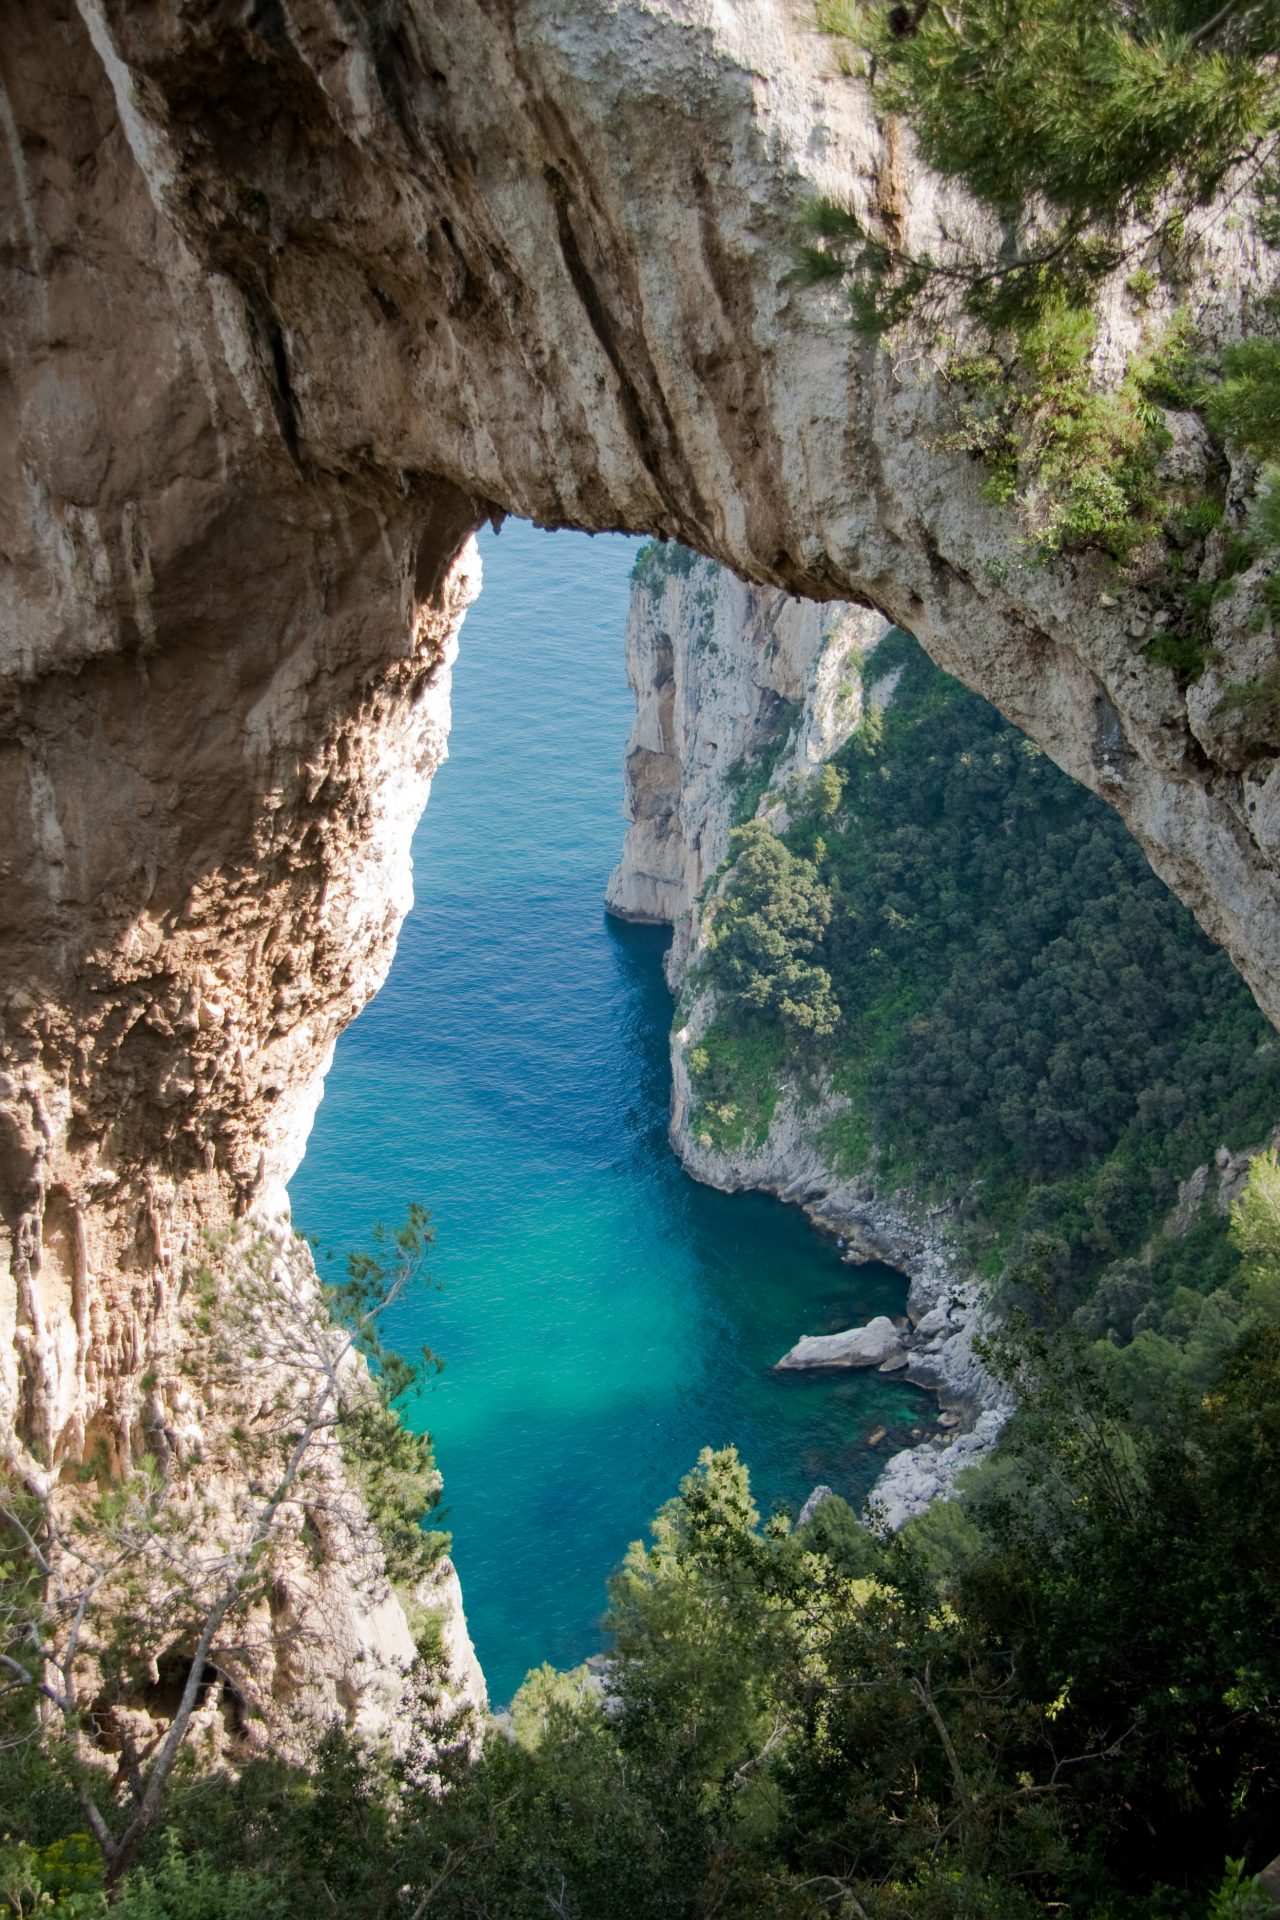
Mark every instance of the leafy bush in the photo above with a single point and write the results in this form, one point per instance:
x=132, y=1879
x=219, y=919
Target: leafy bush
x=194, y=1887
x=737, y=1070
x=1245, y=408
x=769, y=919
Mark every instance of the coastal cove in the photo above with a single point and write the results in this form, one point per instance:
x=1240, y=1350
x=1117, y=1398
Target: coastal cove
x=601, y=1315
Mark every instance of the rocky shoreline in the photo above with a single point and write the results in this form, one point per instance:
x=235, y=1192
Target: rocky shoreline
x=947, y=1309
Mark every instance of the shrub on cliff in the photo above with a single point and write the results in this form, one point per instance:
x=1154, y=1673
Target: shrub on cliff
x=1108, y=115
x=659, y=561
x=1094, y=135
x=763, y=932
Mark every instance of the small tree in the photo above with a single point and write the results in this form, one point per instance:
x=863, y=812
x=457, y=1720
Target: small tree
x=152, y=1583
x=766, y=930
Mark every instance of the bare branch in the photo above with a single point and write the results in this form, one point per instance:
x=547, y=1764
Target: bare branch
x=924, y=1694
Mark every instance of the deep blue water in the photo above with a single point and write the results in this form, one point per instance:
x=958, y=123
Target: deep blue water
x=601, y=1316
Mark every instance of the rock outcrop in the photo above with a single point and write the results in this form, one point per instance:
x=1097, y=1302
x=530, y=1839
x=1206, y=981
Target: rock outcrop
x=870, y=1346
x=913, y=1479
x=294, y=296
x=728, y=677
x=225, y=690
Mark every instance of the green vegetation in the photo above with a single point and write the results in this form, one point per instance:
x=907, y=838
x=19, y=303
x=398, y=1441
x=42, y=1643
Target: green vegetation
x=659, y=561
x=1081, y=462
x=1093, y=137
x=393, y=1466
x=1058, y=1696
x=1246, y=406
x=1109, y=118
x=750, y=780
x=736, y=1075
x=762, y=931
x=1027, y=1018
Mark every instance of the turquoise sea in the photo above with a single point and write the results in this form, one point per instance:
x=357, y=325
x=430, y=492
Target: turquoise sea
x=601, y=1316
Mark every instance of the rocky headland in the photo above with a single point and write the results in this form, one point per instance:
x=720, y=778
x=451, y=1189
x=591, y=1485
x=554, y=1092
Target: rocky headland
x=714, y=744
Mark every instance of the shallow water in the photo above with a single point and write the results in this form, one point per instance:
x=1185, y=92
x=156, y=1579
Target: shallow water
x=601, y=1316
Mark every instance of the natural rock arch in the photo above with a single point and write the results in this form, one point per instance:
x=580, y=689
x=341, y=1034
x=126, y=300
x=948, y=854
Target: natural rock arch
x=297, y=294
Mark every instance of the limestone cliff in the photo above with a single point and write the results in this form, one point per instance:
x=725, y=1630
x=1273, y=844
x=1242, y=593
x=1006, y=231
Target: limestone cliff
x=732, y=682
x=225, y=690
x=293, y=297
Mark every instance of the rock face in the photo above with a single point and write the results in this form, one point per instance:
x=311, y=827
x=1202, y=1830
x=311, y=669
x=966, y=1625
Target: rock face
x=225, y=690
x=293, y=297
x=724, y=674
x=811, y=1505
x=913, y=1479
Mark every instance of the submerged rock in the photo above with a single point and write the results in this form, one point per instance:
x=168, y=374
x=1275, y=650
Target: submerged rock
x=868, y=1346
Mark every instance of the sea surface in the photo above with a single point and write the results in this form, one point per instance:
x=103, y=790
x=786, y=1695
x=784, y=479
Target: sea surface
x=601, y=1316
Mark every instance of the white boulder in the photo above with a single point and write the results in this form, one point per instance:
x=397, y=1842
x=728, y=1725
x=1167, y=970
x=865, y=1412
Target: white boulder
x=811, y=1505
x=868, y=1346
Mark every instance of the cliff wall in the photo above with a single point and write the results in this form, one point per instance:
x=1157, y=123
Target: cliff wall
x=293, y=297
x=728, y=678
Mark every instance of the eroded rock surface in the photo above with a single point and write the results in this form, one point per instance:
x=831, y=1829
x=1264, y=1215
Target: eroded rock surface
x=913, y=1479
x=868, y=1346
x=225, y=692
x=293, y=297
x=726, y=676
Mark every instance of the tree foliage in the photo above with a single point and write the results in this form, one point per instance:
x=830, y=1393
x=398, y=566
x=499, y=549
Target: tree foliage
x=1066, y=1700
x=1061, y=1696
x=765, y=927
x=1104, y=112
x=1092, y=131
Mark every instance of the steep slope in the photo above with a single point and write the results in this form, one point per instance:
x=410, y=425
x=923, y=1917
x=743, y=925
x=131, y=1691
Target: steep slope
x=732, y=683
